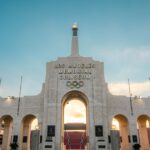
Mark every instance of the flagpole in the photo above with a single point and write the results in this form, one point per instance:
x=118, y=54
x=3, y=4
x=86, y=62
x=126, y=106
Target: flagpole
x=131, y=107
x=18, y=109
x=0, y=81
x=149, y=82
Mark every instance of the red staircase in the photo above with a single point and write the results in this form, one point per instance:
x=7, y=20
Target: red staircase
x=75, y=140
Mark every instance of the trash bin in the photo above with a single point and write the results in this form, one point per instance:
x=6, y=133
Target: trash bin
x=14, y=146
x=136, y=146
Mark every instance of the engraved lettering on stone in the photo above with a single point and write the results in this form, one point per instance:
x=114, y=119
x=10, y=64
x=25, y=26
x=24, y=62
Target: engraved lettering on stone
x=75, y=71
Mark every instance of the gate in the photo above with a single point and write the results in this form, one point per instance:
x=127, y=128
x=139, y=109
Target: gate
x=35, y=138
x=115, y=139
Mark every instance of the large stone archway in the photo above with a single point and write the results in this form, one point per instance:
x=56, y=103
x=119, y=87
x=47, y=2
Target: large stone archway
x=75, y=121
x=28, y=128
x=144, y=131
x=6, y=124
x=120, y=128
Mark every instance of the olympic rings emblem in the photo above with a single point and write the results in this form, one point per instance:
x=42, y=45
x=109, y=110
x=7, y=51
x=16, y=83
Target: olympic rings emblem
x=74, y=84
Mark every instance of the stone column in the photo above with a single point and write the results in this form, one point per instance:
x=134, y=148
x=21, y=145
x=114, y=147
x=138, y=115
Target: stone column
x=133, y=131
x=16, y=131
x=92, y=145
x=58, y=141
x=40, y=128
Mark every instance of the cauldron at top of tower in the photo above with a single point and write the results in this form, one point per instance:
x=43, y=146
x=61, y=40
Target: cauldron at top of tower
x=74, y=46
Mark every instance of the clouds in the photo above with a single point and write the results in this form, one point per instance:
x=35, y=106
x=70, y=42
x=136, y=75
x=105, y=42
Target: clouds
x=137, y=89
x=10, y=87
x=121, y=64
x=75, y=111
x=140, y=54
x=132, y=63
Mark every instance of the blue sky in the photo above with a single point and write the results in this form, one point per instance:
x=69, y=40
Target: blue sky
x=33, y=32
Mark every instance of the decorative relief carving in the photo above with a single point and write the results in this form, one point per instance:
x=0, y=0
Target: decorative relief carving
x=74, y=84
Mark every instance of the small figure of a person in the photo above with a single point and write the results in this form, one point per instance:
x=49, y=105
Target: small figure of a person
x=136, y=146
x=14, y=146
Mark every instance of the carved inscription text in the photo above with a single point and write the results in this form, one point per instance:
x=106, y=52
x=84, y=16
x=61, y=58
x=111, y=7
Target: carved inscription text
x=75, y=71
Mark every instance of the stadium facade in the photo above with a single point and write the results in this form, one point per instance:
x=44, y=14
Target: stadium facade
x=74, y=110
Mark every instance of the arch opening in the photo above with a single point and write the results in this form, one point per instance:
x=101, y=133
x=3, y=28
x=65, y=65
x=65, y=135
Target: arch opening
x=74, y=111
x=120, y=129
x=144, y=131
x=74, y=122
x=29, y=133
x=6, y=123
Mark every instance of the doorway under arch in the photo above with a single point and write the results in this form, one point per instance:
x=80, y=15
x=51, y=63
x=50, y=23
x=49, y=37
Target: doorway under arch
x=74, y=121
x=29, y=127
x=6, y=123
x=121, y=127
x=144, y=131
